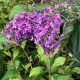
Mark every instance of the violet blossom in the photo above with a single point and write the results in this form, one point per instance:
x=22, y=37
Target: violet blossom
x=40, y=27
x=56, y=6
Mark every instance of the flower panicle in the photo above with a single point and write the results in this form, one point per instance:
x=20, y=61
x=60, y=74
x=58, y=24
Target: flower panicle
x=41, y=27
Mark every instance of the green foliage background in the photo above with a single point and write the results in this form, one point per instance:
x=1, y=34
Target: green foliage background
x=26, y=61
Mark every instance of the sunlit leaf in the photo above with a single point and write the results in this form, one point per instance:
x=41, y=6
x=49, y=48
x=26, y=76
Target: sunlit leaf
x=27, y=66
x=58, y=62
x=43, y=57
x=36, y=71
x=7, y=53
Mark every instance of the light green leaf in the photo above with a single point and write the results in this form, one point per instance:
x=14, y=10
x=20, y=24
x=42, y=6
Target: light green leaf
x=7, y=53
x=58, y=62
x=61, y=77
x=15, y=53
x=46, y=60
x=16, y=10
x=76, y=70
x=43, y=56
x=27, y=66
x=16, y=79
x=36, y=71
x=70, y=54
x=40, y=50
x=10, y=65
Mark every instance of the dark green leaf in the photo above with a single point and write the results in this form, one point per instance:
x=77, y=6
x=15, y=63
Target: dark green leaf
x=17, y=62
x=9, y=74
x=74, y=41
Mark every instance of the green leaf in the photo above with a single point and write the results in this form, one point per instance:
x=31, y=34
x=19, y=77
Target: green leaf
x=74, y=41
x=40, y=50
x=10, y=74
x=40, y=7
x=3, y=40
x=10, y=65
x=76, y=70
x=41, y=78
x=23, y=44
x=67, y=70
x=61, y=77
x=15, y=52
x=28, y=78
x=70, y=54
x=7, y=53
x=16, y=79
x=36, y=71
x=27, y=66
x=58, y=62
x=5, y=1
x=46, y=60
x=17, y=62
x=43, y=56
x=30, y=7
x=67, y=29
x=16, y=10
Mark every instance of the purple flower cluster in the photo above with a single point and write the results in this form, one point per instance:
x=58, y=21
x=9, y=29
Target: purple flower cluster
x=19, y=28
x=41, y=27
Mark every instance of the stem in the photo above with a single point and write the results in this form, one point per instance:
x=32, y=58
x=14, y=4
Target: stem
x=51, y=58
x=50, y=69
x=27, y=57
x=13, y=61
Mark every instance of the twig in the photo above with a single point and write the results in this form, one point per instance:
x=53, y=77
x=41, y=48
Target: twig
x=50, y=69
x=27, y=57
